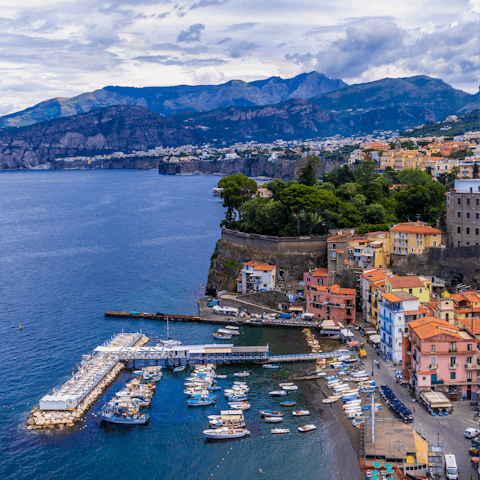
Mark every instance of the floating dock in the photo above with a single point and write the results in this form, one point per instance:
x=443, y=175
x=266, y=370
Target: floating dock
x=70, y=402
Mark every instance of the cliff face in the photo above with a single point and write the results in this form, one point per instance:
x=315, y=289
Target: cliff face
x=292, y=257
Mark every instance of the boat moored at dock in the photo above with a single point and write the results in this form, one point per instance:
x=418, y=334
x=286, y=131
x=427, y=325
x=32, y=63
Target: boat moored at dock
x=225, y=433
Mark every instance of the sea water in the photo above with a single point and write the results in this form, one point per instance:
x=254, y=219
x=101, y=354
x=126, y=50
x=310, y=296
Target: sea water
x=74, y=244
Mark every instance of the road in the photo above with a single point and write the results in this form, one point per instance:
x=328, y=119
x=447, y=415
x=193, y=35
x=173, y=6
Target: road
x=451, y=428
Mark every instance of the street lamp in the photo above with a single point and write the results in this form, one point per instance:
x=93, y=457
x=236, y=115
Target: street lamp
x=372, y=366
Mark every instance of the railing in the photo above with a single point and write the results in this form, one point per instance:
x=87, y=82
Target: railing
x=408, y=366
x=433, y=367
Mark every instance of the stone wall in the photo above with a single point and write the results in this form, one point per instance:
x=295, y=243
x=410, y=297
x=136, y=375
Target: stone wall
x=460, y=263
x=292, y=256
x=269, y=299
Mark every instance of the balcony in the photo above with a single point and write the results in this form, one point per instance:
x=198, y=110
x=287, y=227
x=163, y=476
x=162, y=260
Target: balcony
x=453, y=367
x=433, y=367
x=385, y=318
x=472, y=366
x=409, y=352
x=408, y=366
x=452, y=350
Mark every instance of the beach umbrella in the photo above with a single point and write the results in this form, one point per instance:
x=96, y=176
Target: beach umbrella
x=376, y=472
x=389, y=470
x=377, y=464
x=374, y=477
x=388, y=465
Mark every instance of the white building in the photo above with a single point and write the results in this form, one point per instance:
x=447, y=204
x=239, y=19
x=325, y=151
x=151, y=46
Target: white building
x=256, y=277
x=397, y=309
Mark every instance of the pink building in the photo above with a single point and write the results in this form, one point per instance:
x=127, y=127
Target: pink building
x=319, y=276
x=438, y=356
x=331, y=303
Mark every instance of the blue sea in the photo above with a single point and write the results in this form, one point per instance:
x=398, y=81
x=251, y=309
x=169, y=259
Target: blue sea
x=74, y=244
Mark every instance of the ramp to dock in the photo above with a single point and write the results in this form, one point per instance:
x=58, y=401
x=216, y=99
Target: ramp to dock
x=306, y=357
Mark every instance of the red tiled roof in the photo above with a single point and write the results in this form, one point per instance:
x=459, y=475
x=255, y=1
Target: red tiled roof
x=265, y=268
x=391, y=297
x=412, y=228
x=405, y=282
x=253, y=263
x=320, y=272
x=336, y=237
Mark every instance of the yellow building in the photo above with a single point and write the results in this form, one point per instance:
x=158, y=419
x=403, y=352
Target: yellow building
x=372, y=284
x=441, y=165
x=413, y=237
x=403, y=159
x=420, y=287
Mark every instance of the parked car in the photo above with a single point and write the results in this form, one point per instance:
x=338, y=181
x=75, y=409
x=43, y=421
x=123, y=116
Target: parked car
x=471, y=432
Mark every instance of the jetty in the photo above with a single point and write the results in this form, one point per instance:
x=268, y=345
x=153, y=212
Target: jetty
x=68, y=403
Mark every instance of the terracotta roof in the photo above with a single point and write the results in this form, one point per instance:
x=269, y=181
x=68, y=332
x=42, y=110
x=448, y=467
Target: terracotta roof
x=391, y=297
x=426, y=310
x=413, y=312
x=320, y=272
x=471, y=324
x=340, y=251
x=405, y=295
x=336, y=237
x=430, y=326
x=253, y=263
x=411, y=228
x=458, y=297
x=265, y=268
x=348, y=291
x=405, y=282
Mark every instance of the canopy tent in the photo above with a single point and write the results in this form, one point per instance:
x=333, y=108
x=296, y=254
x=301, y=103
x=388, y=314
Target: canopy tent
x=346, y=333
x=375, y=338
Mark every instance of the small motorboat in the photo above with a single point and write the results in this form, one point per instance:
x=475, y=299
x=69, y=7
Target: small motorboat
x=241, y=374
x=287, y=404
x=286, y=384
x=228, y=331
x=199, y=402
x=270, y=413
x=301, y=413
x=240, y=406
x=280, y=431
x=221, y=376
x=222, y=336
x=307, y=428
x=181, y=368
x=321, y=374
x=273, y=419
x=330, y=399
x=224, y=433
x=271, y=366
x=290, y=387
x=278, y=393
x=237, y=398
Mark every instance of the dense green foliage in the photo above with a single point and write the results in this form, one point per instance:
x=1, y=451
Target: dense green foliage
x=362, y=199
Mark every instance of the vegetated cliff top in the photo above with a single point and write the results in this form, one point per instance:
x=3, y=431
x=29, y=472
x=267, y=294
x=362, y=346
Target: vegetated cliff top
x=180, y=98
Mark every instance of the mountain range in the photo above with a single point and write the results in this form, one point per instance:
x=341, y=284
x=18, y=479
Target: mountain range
x=388, y=104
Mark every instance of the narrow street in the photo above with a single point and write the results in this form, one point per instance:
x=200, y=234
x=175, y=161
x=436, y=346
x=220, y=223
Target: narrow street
x=451, y=428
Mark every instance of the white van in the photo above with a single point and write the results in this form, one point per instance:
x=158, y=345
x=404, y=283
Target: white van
x=451, y=470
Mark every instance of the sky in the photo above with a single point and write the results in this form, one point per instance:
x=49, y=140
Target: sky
x=51, y=48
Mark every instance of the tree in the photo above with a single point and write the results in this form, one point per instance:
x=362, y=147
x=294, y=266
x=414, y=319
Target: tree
x=302, y=201
x=413, y=177
x=347, y=191
x=345, y=175
x=306, y=174
x=374, y=213
x=366, y=174
x=475, y=170
x=262, y=216
x=236, y=190
x=276, y=187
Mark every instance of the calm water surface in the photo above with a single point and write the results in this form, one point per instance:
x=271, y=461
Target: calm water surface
x=75, y=244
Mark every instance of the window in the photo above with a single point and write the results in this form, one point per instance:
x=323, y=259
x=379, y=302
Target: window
x=468, y=201
x=468, y=214
x=459, y=230
x=477, y=216
x=424, y=378
x=476, y=231
x=308, y=280
x=468, y=231
x=469, y=360
x=334, y=246
x=453, y=347
x=452, y=375
x=459, y=201
x=469, y=347
x=410, y=290
x=433, y=361
x=432, y=348
x=459, y=214
x=477, y=201
x=453, y=362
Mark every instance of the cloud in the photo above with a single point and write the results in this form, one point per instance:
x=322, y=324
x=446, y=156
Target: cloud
x=224, y=40
x=207, y=3
x=181, y=62
x=240, y=26
x=242, y=49
x=192, y=34
x=208, y=76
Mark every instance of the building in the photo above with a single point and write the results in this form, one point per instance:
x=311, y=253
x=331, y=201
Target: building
x=331, y=303
x=441, y=165
x=372, y=286
x=263, y=192
x=439, y=356
x=397, y=310
x=413, y=237
x=421, y=287
x=463, y=213
x=256, y=277
x=319, y=276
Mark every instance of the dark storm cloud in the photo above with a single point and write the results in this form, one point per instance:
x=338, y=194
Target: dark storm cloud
x=192, y=34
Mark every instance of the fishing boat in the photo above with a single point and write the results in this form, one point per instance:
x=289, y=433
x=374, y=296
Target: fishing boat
x=280, y=431
x=221, y=336
x=330, y=399
x=321, y=374
x=221, y=376
x=286, y=384
x=270, y=413
x=271, y=366
x=278, y=393
x=241, y=374
x=170, y=343
x=307, y=428
x=238, y=398
x=273, y=419
x=231, y=327
x=199, y=402
x=361, y=373
x=240, y=406
x=181, y=368
x=227, y=331
x=287, y=404
x=115, y=414
x=289, y=388
x=301, y=413
x=225, y=433
x=214, y=388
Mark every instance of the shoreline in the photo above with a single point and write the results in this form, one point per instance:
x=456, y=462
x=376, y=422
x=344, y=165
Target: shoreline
x=345, y=441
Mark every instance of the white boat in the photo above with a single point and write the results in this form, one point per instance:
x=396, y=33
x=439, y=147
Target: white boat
x=222, y=336
x=241, y=374
x=269, y=419
x=280, y=431
x=307, y=428
x=181, y=368
x=278, y=393
x=362, y=373
x=321, y=374
x=221, y=376
x=231, y=327
x=224, y=433
x=286, y=384
x=290, y=387
x=330, y=399
x=301, y=413
x=228, y=331
x=271, y=366
x=240, y=406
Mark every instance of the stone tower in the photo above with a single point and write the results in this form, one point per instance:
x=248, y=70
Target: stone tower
x=445, y=308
